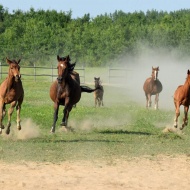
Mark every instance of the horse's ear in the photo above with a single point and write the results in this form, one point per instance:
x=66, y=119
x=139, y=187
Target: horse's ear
x=58, y=58
x=8, y=61
x=188, y=72
x=68, y=58
x=19, y=61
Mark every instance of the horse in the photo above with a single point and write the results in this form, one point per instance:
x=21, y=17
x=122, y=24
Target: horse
x=182, y=97
x=152, y=86
x=11, y=92
x=98, y=94
x=66, y=90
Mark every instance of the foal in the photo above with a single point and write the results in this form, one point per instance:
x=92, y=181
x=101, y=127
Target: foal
x=11, y=92
x=98, y=94
x=152, y=86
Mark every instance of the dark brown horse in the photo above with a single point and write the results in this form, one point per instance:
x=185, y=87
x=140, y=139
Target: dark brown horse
x=66, y=90
x=182, y=97
x=11, y=92
x=152, y=86
x=98, y=94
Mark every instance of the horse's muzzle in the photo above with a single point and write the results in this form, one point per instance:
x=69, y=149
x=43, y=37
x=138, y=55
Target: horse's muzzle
x=17, y=78
x=59, y=79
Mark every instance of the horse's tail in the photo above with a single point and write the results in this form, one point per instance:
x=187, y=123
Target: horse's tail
x=87, y=89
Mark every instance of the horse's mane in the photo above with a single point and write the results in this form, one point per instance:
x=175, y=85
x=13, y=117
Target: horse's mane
x=71, y=66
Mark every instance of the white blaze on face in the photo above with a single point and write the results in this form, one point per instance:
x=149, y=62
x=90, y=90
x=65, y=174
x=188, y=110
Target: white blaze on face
x=155, y=75
x=61, y=65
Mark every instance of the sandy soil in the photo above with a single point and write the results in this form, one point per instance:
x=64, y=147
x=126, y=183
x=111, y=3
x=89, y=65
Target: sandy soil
x=144, y=173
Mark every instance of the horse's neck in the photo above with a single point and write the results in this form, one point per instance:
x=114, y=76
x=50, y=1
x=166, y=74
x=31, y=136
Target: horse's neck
x=97, y=85
x=186, y=87
x=68, y=80
x=10, y=81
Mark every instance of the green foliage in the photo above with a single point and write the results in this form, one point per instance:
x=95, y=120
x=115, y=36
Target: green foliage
x=36, y=36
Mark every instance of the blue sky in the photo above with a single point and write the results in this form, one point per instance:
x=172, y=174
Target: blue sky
x=96, y=7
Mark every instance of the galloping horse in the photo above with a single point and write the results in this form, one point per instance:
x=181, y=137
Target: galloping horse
x=98, y=94
x=152, y=86
x=66, y=90
x=11, y=92
x=182, y=97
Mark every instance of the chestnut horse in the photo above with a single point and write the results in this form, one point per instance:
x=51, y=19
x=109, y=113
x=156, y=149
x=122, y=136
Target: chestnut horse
x=182, y=97
x=66, y=90
x=98, y=94
x=11, y=92
x=152, y=86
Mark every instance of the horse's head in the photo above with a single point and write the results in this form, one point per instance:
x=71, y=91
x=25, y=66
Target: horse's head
x=62, y=67
x=97, y=81
x=14, y=69
x=155, y=72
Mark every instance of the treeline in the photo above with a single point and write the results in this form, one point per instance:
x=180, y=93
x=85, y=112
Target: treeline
x=38, y=36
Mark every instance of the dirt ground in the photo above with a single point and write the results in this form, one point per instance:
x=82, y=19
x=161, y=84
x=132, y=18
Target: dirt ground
x=157, y=173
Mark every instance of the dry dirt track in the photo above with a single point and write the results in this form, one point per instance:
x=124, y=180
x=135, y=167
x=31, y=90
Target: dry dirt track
x=158, y=173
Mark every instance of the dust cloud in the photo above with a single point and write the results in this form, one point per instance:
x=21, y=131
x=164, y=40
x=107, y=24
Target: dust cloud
x=172, y=73
x=29, y=130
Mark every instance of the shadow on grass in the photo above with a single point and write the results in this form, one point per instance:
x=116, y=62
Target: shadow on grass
x=88, y=141
x=123, y=132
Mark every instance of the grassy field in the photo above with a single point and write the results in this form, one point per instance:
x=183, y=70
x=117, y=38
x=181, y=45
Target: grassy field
x=122, y=128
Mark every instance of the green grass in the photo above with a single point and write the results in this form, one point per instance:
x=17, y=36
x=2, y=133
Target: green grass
x=121, y=129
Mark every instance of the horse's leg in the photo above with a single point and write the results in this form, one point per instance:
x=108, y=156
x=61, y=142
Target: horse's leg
x=177, y=114
x=95, y=101
x=185, y=119
x=1, y=117
x=55, y=117
x=18, y=109
x=156, y=101
x=146, y=100
x=102, y=102
x=66, y=111
x=99, y=102
x=149, y=100
x=10, y=112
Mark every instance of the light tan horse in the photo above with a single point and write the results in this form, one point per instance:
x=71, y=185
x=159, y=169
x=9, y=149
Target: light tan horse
x=152, y=86
x=182, y=97
x=11, y=92
x=98, y=94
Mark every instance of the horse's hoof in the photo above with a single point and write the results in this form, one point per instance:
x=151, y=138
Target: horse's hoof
x=63, y=124
x=19, y=128
x=8, y=131
x=181, y=128
x=52, y=130
x=2, y=127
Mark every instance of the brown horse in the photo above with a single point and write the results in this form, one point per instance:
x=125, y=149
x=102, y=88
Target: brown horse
x=98, y=94
x=11, y=92
x=182, y=97
x=66, y=90
x=152, y=86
